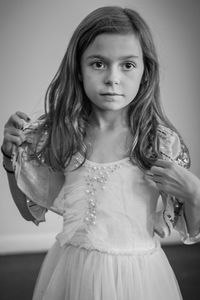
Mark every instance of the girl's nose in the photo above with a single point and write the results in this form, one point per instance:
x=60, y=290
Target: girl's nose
x=112, y=77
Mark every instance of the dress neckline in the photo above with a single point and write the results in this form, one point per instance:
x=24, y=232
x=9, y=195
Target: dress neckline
x=90, y=162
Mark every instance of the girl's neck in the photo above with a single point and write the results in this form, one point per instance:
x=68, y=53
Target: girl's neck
x=108, y=120
x=107, y=137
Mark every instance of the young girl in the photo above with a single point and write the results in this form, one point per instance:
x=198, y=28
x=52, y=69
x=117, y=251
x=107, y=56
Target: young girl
x=101, y=156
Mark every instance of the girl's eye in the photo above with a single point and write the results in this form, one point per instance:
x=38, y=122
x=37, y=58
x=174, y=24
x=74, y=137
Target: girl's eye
x=98, y=65
x=128, y=66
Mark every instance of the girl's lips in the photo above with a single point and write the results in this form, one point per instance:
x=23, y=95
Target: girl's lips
x=111, y=94
x=110, y=97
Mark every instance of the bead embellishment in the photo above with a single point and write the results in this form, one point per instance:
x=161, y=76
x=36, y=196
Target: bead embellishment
x=96, y=177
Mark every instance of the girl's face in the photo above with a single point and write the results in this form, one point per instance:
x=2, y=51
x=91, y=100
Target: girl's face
x=111, y=70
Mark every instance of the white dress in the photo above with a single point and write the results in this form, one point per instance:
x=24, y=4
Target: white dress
x=108, y=249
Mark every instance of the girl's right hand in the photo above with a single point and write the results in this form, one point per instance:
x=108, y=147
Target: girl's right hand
x=13, y=131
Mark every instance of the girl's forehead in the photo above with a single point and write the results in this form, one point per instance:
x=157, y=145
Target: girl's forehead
x=109, y=44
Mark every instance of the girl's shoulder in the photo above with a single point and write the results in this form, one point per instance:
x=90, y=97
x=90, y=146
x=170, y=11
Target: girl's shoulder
x=171, y=146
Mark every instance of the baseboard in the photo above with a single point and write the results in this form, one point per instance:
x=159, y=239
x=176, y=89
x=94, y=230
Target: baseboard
x=26, y=243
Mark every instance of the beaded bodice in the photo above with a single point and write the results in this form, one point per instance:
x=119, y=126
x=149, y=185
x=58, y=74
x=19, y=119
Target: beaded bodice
x=108, y=207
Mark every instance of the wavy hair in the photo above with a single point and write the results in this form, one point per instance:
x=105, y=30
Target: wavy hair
x=67, y=108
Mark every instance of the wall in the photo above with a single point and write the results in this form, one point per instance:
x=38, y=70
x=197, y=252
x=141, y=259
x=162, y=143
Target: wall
x=34, y=36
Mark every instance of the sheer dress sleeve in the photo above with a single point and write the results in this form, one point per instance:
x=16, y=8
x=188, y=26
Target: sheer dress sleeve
x=41, y=185
x=171, y=216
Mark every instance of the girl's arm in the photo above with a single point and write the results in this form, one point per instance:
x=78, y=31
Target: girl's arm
x=192, y=215
x=13, y=135
x=192, y=209
x=184, y=185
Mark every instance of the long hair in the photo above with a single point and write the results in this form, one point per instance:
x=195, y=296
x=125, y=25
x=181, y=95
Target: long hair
x=67, y=108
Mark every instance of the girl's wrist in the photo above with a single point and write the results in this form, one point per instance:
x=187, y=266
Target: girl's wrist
x=8, y=165
x=10, y=171
x=7, y=162
x=6, y=155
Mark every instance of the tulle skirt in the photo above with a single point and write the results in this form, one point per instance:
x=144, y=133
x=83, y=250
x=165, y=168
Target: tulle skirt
x=74, y=273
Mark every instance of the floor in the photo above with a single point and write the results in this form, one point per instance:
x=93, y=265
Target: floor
x=18, y=273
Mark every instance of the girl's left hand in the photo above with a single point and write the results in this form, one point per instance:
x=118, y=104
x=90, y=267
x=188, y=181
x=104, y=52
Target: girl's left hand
x=175, y=180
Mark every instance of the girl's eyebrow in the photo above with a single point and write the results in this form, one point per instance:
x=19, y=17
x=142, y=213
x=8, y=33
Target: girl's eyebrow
x=97, y=56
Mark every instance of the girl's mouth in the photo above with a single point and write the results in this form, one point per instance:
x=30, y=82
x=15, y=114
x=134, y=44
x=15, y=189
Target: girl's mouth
x=111, y=94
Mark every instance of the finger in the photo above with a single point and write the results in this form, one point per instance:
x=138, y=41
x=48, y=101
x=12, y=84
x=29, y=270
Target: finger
x=23, y=116
x=17, y=140
x=7, y=148
x=160, y=187
x=14, y=131
x=157, y=170
x=158, y=179
x=155, y=178
x=163, y=186
x=10, y=138
x=162, y=163
x=16, y=121
x=168, y=188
